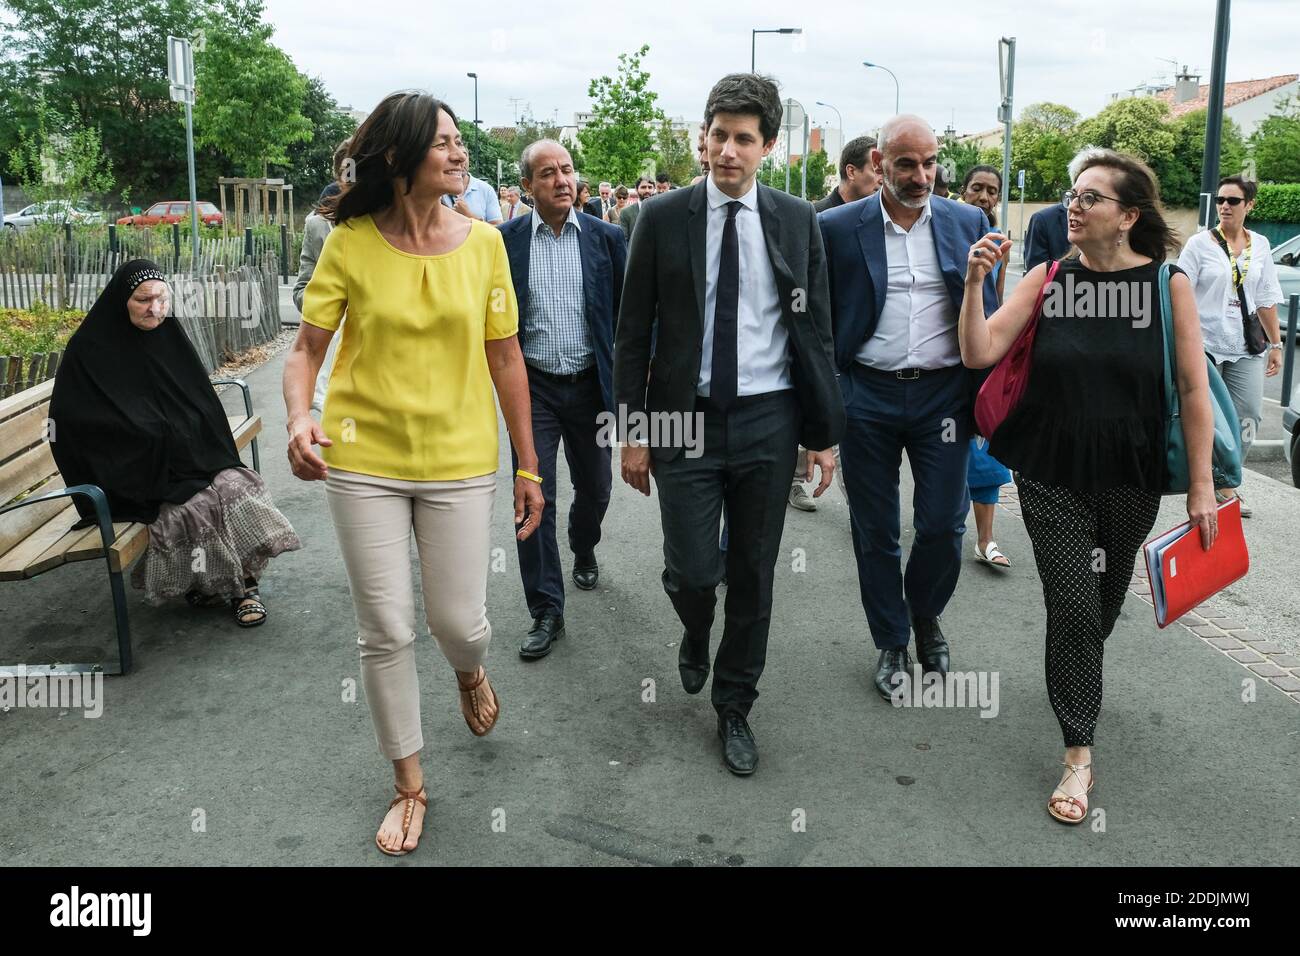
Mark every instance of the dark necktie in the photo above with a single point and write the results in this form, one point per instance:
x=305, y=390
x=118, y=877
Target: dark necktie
x=722, y=381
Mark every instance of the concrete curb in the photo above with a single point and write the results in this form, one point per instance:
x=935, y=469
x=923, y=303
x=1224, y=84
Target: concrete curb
x=1266, y=449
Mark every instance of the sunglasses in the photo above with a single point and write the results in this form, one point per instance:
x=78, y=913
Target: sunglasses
x=1230, y=200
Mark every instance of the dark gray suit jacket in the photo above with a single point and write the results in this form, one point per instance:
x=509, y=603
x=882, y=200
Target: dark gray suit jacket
x=663, y=303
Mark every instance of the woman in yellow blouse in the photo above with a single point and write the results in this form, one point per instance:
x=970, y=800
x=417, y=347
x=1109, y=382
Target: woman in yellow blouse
x=409, y=428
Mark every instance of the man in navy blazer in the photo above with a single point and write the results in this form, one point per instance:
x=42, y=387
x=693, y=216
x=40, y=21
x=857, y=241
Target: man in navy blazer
x=897, y=265
x=567, y=269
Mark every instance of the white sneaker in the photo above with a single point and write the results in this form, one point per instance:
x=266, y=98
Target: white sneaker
x=799, y=498
x=1221, y=498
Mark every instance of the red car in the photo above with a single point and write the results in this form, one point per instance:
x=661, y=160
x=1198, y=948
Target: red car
x=166, y=213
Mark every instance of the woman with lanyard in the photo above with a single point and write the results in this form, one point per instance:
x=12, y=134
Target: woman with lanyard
x=1237, y=293
x=985, y=475
x=134, y=413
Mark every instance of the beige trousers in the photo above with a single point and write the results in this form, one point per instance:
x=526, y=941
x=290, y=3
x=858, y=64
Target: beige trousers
x=373, y=519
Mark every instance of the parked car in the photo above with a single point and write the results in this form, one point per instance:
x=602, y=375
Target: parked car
x=170, y=211
x=1287, y=259
x=53, y=210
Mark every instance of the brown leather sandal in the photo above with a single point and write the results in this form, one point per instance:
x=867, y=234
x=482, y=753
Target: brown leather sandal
x=471, y=693
x=410, y=797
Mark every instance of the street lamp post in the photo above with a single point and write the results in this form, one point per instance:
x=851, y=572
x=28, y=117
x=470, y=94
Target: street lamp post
x=841, y=119
x=474, y=77
x=753, y=39
x=1214, y=118
x=877, y=66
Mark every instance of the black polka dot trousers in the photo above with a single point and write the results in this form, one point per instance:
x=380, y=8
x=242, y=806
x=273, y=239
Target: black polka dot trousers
x=1085, y=546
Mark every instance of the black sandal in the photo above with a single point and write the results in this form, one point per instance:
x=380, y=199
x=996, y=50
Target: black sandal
x=249, y=614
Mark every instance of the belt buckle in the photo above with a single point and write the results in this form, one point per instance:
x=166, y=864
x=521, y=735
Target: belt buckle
x=907, y=374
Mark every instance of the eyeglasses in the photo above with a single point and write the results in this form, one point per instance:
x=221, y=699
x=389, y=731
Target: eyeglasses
x=1087, y=198
x=1230, y=200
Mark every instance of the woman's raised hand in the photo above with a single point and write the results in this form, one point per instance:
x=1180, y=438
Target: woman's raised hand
x=985, y=254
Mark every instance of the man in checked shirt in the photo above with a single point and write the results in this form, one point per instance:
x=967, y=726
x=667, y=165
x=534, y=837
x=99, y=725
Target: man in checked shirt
x=567, y=269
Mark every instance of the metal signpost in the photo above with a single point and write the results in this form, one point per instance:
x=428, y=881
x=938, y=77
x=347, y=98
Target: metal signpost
x=793, y=117
x=180, y=74
x=1006, y=76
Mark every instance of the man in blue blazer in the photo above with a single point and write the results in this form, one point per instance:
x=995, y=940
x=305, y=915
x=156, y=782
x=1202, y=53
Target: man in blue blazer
x=897, y=264
x=567, y=269
x=1045, y=237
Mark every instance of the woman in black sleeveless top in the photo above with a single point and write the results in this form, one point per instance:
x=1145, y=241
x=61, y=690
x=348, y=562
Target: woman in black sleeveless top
x=1087, y=439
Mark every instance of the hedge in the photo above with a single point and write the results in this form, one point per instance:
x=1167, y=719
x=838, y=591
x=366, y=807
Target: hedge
x=1277, y=202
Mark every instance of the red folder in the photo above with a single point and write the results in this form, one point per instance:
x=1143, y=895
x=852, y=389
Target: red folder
x=1182, y=574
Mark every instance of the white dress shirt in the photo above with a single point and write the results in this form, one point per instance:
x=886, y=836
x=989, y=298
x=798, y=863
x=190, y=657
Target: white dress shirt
x=1207, y=266
x=762, y=352
x=918, y=325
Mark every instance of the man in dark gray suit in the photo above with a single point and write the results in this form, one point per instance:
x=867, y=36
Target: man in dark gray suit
x=858, y=179
x=645, y=189
x=724, y=332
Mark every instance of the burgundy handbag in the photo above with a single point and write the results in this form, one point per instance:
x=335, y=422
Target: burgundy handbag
x=1002, y=390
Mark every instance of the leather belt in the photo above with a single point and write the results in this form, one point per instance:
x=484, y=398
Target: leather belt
x=567, y=379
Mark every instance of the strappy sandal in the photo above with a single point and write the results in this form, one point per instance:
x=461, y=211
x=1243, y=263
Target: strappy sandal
x=990, y=555
x=196, y=598
x=410, y=796
x=471, y=693
x=252, y=613
x=1081, y=804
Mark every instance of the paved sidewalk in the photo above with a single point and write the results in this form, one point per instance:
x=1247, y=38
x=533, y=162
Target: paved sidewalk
x=246, y=736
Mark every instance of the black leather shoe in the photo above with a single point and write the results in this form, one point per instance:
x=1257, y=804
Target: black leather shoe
x=586, y=572
x=693, y=662
x=931, y=645
x=739, y=752
x=547, y=629
x=892, y=661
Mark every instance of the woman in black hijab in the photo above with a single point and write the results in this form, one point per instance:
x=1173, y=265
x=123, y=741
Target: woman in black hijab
x=134, y=413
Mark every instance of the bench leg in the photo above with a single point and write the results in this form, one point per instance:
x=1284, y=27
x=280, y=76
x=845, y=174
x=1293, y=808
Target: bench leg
x=119, y=617
x=257, y=460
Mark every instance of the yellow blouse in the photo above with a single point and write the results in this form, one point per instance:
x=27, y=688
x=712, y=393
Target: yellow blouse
x=410, y=396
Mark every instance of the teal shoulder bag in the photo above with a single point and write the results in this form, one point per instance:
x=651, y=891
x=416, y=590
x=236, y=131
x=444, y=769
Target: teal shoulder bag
x=1226, y=458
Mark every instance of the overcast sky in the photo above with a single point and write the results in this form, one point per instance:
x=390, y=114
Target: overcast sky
x=944, y=52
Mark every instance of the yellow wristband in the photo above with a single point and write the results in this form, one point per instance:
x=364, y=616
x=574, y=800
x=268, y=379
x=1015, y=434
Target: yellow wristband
x=529, y=475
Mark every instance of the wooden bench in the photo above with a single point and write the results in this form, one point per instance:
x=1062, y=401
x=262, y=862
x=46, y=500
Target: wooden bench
x=36, y=537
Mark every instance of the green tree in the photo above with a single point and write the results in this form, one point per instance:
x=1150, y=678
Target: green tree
x=618, y=142
x=102, y=64
x=1138, y=126
x=310, y=166
x=819, y=171
x=248, y=94
x=61, y=161
x=956, y=157
x=484, y=151
x=1043, y=142
x=1180, y=177
x=674, y=153
x=1275, y=145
